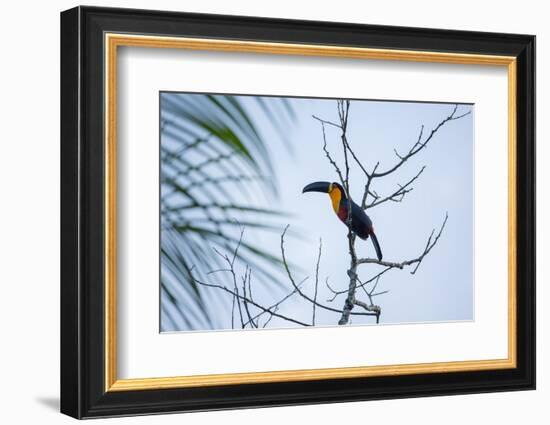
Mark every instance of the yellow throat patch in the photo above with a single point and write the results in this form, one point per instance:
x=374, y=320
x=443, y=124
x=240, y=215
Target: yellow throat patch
x=335, y=197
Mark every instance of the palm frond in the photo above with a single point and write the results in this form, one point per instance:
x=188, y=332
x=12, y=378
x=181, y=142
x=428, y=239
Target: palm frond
x=216, y=177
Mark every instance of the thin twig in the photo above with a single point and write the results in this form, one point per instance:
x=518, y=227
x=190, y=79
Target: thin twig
x=255, y=304
x=419, y=145
x=246, y=277
x=327, y=153
x=299, y=291
x=398, y=195
x=418, y=260
x=316, y=281
x=275, y=306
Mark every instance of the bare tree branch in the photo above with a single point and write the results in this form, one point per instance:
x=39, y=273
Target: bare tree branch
x=361, y=285
x=246, y=279
x=240, y=297
x=419, y=145
x=316, y=281
x=275, y=306
x=322, y=121
x=270, y=317
x=299, y=291
x=246, y=299
x=250, y=311
x=398, y=195
x=371, y=307
x=343, y=113
x=400, y=265
x=231, y=263
x=367, y=190
x=335, y=293
x=327, y=153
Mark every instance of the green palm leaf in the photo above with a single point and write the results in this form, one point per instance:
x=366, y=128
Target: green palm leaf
x=216, y=176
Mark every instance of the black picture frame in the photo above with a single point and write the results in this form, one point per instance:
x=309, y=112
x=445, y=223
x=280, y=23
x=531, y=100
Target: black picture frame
x=83, y=392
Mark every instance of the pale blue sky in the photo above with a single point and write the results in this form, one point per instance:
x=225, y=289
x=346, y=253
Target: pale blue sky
x=442, y=289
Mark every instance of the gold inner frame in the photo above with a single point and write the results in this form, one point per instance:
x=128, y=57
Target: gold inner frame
x=113, y=41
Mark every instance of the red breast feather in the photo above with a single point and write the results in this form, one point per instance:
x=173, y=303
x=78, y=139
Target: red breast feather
x=360, y=222
x=342, y=213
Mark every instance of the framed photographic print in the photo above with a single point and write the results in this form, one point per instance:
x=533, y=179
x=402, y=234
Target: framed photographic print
x=261, y=212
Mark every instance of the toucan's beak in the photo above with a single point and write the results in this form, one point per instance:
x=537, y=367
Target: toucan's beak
x=317, y=187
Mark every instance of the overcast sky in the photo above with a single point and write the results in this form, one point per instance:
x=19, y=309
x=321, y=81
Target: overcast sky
x=442, y=288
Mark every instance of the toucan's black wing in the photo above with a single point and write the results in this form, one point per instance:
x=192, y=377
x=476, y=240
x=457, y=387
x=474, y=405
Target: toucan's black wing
x=361, y=224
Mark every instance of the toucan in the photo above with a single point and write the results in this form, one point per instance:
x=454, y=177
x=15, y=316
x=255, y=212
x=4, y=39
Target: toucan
x=361, y=224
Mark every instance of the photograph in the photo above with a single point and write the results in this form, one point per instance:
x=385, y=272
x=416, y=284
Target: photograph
x=285, y=210
x=290, y=212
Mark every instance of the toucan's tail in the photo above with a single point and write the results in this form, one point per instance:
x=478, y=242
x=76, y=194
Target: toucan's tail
x=376, y=245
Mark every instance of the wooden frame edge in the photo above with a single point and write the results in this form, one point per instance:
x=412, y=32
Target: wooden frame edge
x=113, y=40
x=306, y=375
